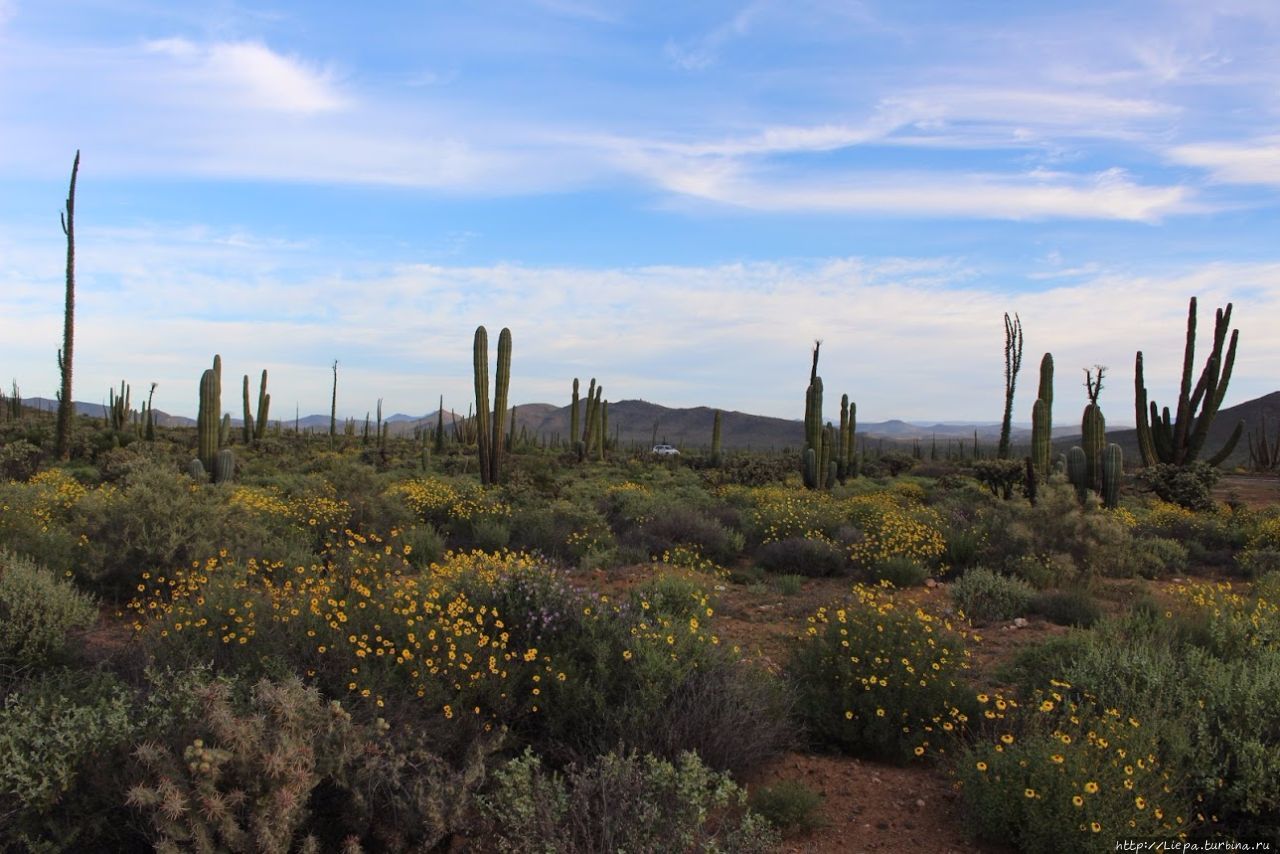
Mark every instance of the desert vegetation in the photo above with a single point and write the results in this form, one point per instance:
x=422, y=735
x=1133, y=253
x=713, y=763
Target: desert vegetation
x=261, y=639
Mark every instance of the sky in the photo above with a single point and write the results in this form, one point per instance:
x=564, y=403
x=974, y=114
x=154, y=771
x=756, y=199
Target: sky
x=674, y=198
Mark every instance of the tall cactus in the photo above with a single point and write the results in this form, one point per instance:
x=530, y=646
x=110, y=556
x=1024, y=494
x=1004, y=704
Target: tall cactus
x=575, y=424
x=1179, y=441
x=1012, y=364
x=1042, y=417
x=119, y=407
x=264, y=408
x=333, y=406
x=604, y=425
x=66, y=404
x=246, y=430
x=715, y=440
x=489, y=430
x=502, y=384
x=480, y=373
x=149, y=418
x=1093, y=435
x=1112, y=469
x=842, y=460
x=208, y=427
x=439, y=444
x=847, y=438
x=814, y=473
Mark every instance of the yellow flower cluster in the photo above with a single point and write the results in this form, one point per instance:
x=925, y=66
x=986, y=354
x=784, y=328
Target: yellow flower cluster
x=1084, y=767
x=320, y=512
x=46, y=498
x=690, y=557
x=900, y=665
x=896, y=532
x=782, y=512
x=368, y=621
x=1252, y=620
x=437, y=500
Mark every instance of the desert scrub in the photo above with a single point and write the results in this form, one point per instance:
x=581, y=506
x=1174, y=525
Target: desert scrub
x=1072, y=607
x=37, y=612
x=62, y=737
x=878, y=680
x=621, y=802
x=789, y=805
x=807, y=556
x=1064, y=773
x=987, y=597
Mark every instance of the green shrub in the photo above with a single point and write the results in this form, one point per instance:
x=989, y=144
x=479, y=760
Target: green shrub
x=621, y=802
x=19, y=459
x=811, y=558
x=1061, y=775
x=1253, y=563
x=63, y=739
x=899, y=570
x=1067, y=607
x=875, y=680
x=987, y=597
x=1188, y=486
x=1157, y=557
x=37, y=612
x=789, y=805
x=788, y=585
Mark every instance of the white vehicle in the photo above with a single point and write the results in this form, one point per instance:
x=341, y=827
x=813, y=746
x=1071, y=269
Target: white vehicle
x=666, y=451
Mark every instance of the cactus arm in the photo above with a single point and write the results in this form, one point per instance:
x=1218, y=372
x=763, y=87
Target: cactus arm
x=1230, y=446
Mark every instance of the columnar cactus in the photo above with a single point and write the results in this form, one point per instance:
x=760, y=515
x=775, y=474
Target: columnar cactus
x=1179, y=441
x=1094, y=437
x=480, y=370
x=247, y=428
x=502, y=383
x=847, y=437
x=574, y=418
x=715, y=440
x=439, y=445
x=119, y=407
x=1042, y=417
x=207, y=417
x=813, y=473
x=264, y=407
x=489, y=430
x=1078, y=471
x=224, y=466
x=1112, y=469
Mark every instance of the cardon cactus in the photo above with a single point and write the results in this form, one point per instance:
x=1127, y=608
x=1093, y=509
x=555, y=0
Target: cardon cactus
x=575, y=420
x=1112, y=469
x=207, y=427
x=715, y=440
x=224, y=466
x=264, y=407
x=480, y=372
x=1078, y=470
x=1093, y=430
x=814, y=474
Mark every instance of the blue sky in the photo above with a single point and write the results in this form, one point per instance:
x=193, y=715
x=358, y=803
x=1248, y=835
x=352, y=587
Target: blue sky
x=674, y=198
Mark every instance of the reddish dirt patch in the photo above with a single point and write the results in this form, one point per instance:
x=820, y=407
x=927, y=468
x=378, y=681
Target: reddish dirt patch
x=1253, y=490
x=869, y=806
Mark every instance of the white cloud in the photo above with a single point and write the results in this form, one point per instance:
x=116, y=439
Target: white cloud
x=247, y=75
x=905, y=337
x=699, y=53
x=1256, y=162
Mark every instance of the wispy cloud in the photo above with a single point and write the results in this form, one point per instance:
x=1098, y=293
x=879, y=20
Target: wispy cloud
x=246, y=75
x=1254, y=162
x=703, y=51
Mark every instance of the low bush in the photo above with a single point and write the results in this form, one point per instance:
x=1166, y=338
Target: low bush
x=1067, y=607
x=1188, y=486
x=37, y=612
x=900, y=571
x=789, y=805
x=621, y=802
x=63, y=739
x=987, y=597
x=810, y=557
x=875, y=680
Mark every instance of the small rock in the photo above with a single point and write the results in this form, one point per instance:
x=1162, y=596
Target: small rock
x=930, y=583
x=920, y=803
x=1019, y=622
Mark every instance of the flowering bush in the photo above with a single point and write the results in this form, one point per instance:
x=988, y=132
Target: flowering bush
x=876, y=679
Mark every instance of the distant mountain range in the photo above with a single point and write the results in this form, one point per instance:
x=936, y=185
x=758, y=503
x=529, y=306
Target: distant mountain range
x=641, y=422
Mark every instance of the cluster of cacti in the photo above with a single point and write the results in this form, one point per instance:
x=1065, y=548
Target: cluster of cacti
x=11, y=406
x=1110, y=470
x=489, y=431
x=66, y=404
x=207, y=417
x=1264, y=456
x=818, y=465
x=846, y=457
x=1042, y=418
x=1012, y=364
x=589, y=432
x=255, y=427
x=1093, y=429
x=1179, y=441
x=118, y=408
